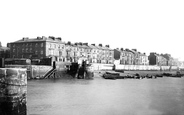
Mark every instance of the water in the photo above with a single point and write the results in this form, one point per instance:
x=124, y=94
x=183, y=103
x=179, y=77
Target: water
x=161, y=96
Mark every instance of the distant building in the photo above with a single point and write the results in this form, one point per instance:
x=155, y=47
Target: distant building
x=156, y=59
x=38, y=48
x=143, y=59
x=169, y=59
x=126, y=56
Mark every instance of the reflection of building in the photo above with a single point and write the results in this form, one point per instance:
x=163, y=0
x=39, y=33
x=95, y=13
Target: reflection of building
x=4, y=52
x=38, y=48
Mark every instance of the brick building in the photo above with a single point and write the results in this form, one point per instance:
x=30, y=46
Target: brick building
x=38, y=48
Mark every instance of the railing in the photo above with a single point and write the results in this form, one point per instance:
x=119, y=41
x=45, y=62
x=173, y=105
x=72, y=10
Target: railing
x=50, y=74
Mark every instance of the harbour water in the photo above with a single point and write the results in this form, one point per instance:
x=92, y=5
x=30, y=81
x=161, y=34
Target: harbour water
x=67, y=96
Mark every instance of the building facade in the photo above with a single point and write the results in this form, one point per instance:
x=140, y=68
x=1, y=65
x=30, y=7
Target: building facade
x=38, y=48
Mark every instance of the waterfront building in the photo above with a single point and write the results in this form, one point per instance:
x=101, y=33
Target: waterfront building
x=94, y=53
x=109, y=55
x=152, y=59
x=126, y=57
x=143, y=59
x=130, y=54
x=84, y=51
x=169, y=59
x=38, y=48
x=156, y=59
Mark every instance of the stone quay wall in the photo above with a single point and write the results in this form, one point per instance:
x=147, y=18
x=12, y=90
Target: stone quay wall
x=33, y=71
x=96, y=66
x=13, y=91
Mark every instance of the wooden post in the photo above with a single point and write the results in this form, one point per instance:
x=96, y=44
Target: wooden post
x=13, y=91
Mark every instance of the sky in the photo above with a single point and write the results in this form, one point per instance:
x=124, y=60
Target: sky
x=145, y=25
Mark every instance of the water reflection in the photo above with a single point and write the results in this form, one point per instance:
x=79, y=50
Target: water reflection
x=162, y=96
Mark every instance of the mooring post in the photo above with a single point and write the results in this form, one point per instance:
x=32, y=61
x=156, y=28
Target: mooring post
x=54, y=67
x=13, y=91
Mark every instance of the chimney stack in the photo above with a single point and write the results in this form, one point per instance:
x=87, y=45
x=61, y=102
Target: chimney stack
x=25, y=38
x=85, y=44
x=80, y=43
x=59, y=38
x=100, y=45
x=52, y=37
x=135, y=50
x=107, y=46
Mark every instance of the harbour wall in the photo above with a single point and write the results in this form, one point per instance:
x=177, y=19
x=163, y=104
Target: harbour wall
x=96, y=66
x=33, y=71
x=13, y=91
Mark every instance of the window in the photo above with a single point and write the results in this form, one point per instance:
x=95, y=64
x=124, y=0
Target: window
x=30, y=49
x=26, y=49
x=13, y=50
x=41, y=52
x=41, y=44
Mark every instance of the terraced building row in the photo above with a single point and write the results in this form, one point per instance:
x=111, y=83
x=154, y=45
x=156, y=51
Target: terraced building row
x=58, y=50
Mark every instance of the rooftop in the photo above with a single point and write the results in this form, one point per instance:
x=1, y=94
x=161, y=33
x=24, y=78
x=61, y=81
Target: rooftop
x=38, y=39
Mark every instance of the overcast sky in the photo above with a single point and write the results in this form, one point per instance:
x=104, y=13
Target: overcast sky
x=147, y=25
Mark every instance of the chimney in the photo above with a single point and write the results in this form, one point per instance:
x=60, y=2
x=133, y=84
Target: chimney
x=69, y=43
x=121, y=49
x=127, y=49
x=85, y=44
x=52, y=37
x=0, y=44
x=107, y=46
x=134, y=49
x=100, y=45
x=39, y=37
x=80, y=43
x=59, y=38
x=93, y=44
x=76, y=43
x=43, y=37
x=25, y=38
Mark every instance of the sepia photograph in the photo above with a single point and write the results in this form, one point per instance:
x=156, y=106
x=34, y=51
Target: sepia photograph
x=91, y=57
